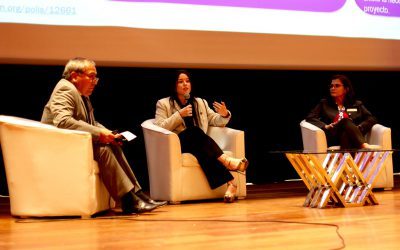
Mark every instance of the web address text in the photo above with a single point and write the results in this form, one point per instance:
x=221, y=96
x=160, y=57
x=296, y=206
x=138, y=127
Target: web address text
x=38, y=10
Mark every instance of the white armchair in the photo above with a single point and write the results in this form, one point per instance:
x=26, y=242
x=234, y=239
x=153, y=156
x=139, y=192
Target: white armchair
x=177, y=177
x=50, y=171
x=314, y=140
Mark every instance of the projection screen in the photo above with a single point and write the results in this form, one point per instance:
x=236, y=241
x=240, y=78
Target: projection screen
x=253, y=34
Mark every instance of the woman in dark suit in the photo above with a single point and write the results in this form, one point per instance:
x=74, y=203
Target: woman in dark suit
x=344, y=119
x=189, y=117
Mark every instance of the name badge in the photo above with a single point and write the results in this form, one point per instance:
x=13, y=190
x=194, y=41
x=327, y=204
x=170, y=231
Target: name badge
x=352, y=110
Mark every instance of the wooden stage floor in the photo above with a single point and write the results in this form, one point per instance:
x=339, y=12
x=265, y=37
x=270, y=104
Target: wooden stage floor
x=271, y=217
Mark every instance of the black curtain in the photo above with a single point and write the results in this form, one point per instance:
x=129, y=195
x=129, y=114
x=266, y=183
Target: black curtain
x=267, y=104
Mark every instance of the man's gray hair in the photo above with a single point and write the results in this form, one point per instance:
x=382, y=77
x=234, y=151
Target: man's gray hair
x=77, y=64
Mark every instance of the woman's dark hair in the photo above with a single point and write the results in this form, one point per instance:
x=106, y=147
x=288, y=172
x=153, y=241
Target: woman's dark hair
x=173, y=83
x=174, y=96
x=350, y=94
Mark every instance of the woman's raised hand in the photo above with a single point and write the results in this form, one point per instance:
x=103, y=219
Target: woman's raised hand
x=221, y=108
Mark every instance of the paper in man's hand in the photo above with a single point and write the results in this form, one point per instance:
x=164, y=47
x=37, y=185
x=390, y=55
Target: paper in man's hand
x=128, y=135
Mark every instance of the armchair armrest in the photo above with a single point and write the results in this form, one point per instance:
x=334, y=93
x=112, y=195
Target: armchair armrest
x=54, y=158
x=160, y=142
x=380, y=135
x=314, y=139
x=163, y=151
x=228, y=139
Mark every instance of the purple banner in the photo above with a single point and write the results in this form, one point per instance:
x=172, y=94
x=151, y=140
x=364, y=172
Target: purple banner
x=302, y=5
x=380, y=7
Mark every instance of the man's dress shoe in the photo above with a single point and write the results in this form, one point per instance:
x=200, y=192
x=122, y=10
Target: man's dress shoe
x=147, y=199
x=131, y=203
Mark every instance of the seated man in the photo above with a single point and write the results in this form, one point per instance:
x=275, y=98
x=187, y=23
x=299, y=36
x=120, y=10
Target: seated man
x=69, y=107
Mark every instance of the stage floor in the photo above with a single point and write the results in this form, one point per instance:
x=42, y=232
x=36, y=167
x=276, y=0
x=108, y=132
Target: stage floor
x=271, y=217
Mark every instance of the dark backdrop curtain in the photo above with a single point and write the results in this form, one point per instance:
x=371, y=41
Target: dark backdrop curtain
x=267, y=104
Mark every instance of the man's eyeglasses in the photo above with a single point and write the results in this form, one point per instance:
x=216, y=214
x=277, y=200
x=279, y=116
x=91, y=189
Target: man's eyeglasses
x=335, y=85
x=92, y=77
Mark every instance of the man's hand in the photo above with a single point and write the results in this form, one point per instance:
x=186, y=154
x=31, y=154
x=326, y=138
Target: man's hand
x=107, y=137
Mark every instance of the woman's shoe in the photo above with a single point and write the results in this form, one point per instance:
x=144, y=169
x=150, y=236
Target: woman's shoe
x=244, y=163
x=235, y=164
x=230, y=193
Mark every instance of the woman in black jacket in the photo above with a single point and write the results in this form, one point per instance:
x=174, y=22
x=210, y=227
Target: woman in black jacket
x=344, y=119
